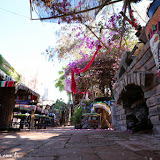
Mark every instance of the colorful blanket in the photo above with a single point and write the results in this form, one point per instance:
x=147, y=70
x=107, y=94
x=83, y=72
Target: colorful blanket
x=101, y=105
x=7, y=83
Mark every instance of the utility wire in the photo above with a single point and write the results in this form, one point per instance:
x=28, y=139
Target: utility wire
x=13, y=13
x=16, y=14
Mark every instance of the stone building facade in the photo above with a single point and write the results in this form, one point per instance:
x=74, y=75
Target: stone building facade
x=137, y=87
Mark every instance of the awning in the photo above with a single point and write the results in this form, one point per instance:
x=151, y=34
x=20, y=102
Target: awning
x=4, y=76
x=102, y=105
x=19, y=86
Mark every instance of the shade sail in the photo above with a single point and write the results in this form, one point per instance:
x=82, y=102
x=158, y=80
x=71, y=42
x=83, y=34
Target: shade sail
x=67, y=10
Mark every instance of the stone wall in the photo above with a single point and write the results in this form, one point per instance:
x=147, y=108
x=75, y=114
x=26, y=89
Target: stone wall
x=140, y=71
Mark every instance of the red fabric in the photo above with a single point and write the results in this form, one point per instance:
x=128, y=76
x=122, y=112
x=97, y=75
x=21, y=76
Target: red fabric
x=34, y=97
x=10, y=84
x=73, y=70
x=157, y=27
x=73, y=82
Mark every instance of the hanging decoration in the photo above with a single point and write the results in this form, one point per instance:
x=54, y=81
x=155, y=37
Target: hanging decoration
x=102, y=105
x=67, y=85
x=153, y=34
x=78, y=71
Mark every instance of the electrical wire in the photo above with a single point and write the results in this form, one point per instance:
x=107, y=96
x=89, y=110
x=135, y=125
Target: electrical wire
x=16, y=14
x=13, y=13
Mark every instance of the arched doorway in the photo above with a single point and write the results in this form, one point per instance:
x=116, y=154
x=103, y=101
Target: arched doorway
x=136, y=110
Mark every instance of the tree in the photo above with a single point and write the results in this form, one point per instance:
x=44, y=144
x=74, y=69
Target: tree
x=105, y=64
x=59, y=105
x=112, y=32
x=60, y=83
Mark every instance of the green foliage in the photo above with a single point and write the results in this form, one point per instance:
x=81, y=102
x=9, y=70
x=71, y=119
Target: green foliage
x=60, y=81
x=88, y=103
x=69, y=95
x=77, y=115
x=59, y=105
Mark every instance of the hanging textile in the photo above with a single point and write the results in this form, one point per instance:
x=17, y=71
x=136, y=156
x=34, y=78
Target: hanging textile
x=78, y=71
x=3, y=83
x=67, y=85
x=34, y=97
x=20, y=101
x=7, y=83
x=101, y=105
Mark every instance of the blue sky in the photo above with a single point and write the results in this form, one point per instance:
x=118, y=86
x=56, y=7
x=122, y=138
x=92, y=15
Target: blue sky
x=22, y=41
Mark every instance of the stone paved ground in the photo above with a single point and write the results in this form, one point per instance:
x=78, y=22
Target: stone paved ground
x=65, y=143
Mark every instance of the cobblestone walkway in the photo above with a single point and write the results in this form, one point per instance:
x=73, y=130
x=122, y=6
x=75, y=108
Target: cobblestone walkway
x=66, y=143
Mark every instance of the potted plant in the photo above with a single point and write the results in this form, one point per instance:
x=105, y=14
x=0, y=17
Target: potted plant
x=153, y=7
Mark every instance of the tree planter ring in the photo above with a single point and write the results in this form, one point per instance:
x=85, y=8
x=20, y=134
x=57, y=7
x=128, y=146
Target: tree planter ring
x=153, y=7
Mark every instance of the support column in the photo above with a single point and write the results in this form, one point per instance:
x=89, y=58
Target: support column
x=7, y=103
x=32, y=120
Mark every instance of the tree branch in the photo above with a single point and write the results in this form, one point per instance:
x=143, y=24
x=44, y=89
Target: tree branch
x=73, y=13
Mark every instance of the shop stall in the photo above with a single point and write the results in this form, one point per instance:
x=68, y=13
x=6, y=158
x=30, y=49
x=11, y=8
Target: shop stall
x=9, y=91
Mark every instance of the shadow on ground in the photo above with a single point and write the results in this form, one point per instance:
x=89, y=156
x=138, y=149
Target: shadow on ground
x=66, y=143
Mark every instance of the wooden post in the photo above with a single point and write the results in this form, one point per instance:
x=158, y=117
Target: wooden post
x=91, y=86
x=7, y=103
x=69, y=119
x=32, y=120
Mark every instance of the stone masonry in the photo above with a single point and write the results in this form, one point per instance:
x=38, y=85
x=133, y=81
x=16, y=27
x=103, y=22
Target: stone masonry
x=139, y=71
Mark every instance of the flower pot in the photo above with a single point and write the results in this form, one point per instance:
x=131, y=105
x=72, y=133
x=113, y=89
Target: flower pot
x=153, y=7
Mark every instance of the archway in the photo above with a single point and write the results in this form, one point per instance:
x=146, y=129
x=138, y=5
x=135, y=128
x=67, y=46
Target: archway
x=136, y=110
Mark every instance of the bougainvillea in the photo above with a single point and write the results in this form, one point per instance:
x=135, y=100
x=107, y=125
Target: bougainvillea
x=78, y=42
x=110, y=36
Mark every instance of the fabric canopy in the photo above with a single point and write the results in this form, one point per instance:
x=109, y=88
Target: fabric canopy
x=102, y=105
x=78, y=71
